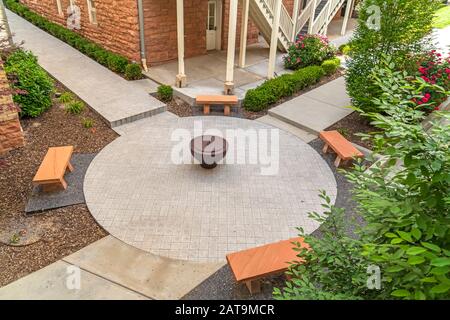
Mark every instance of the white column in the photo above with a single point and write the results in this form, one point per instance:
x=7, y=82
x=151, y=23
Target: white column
x=229, y=84
x=274, y=40
x=181, y=76
x=295, y=19
x=311, y=19
x=348, y=9
x=325, y=30
x=244, y=28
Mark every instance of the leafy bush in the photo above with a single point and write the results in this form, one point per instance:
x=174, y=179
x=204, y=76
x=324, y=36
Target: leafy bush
x=66, y=97
x=33, y=86
x=308, y=50
x=113, y=61
x=345, y=49
x=75, y=107
x=404, y=202
x=331, y=66
x=404, y=25
x=133, y=71
x=273, y=90
x=165, y=93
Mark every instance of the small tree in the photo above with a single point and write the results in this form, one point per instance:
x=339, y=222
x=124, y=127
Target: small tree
x=398, y=28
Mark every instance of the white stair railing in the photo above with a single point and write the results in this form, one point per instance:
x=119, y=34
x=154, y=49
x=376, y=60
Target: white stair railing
x=304, y=16
x=325, y=16
x=286, y=22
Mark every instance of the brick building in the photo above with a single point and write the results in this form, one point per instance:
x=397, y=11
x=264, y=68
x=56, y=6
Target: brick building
x=157, y=31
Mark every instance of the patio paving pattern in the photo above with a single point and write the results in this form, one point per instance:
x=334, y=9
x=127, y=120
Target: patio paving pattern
x=183, y=211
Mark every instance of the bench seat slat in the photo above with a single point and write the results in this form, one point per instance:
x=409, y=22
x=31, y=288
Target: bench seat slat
x=54, y=165
x=261, y=261
x=216, y=99
x=340, y=145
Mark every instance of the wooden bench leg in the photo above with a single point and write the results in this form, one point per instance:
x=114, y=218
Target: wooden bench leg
x=325, y=148
x=254, y=286
x=337, y=162
x=69, y=167
x=63, y=183
x=226, y=110
x=206, y=109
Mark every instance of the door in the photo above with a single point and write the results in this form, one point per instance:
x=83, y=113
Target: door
x=211, y=25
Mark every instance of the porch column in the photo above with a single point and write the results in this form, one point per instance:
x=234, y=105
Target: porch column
x=325, y=31
x=229, y=84
x=181, y=76
x=274, y=40
x=348, y=10
x=295, y=19
x=244, y=28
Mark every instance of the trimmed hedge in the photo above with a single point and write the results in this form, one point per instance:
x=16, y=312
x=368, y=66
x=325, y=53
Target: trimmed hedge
x=33, y=86
x=331, y=66
x=165, y=93
x=113, y=61
x=273, y=90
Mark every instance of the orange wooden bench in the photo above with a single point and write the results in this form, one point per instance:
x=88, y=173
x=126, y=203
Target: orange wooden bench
x=226, y=101
x=344, y=149
x=51, y=171
x=250, y=265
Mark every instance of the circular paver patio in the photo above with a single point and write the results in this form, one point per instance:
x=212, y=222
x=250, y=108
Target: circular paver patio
x=137, y=193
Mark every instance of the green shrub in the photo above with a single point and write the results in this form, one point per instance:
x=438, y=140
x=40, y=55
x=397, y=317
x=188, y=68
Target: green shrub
x=88, y=123
x=75, y=107
x=402, y=33
x=165, y=92
x=273, y=90
x=133, y=71
x=308, y=50
x=331, y=66
x=113, y=61
x=66, y=97
x=35, y=86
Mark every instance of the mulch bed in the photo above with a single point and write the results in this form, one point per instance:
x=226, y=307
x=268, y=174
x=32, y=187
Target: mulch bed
x=351, y=125
x=61, y=231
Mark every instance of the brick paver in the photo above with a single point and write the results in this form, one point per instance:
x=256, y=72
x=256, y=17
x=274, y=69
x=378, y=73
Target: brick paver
x=140, y=196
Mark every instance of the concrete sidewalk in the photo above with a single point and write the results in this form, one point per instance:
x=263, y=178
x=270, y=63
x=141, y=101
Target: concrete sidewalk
x=113, y=270
x=117, y=100
x=317, y=109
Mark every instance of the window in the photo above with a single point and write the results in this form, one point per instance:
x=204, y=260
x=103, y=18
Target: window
x=58, y=5
x=92, y=11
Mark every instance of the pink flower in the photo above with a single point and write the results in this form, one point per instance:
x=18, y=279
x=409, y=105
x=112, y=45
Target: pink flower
x=425, y=100
x=427, y=95
x=447, y=70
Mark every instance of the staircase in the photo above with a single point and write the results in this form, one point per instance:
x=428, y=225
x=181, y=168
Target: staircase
x=313, y=19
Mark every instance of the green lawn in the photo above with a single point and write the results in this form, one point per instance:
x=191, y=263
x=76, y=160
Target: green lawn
x=442, y=18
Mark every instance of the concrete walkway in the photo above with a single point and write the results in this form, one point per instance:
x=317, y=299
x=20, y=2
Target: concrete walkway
x=317, y=109
x=117, y=100
x=111, y=269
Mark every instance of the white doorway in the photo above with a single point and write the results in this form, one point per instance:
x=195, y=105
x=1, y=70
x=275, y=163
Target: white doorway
x=213, y=25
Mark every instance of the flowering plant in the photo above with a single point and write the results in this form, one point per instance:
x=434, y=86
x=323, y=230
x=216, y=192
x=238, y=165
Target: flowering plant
x=433, y=69
x=308, y=50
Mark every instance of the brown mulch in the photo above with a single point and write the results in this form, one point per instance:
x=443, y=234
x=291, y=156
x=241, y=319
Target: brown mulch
x=65, y=230
x=351, y=125
x=179, y=107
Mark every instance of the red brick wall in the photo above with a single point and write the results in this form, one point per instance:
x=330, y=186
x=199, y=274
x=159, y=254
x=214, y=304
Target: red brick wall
x=11, y=134
x=160, y=20
x=117, y=28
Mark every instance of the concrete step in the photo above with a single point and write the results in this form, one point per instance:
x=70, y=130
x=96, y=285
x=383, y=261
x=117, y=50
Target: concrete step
x=283, y=125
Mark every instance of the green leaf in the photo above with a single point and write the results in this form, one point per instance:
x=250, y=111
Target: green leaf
x=400, y=293
x=414, y=260
x=431, y=246
x=416, y=233
x=415, y=251
x=419, y=295
x=405, y=236
x=395, y=269
x=440, y=270
x=390, y=235
x=441, y=288
x=440, y=262
x=396, y=241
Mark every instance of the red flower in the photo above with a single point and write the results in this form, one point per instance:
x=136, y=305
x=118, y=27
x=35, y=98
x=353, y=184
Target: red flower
x=427, y=95
x=436, y=108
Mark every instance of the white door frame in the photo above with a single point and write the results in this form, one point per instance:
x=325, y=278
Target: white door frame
x=218, y=31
